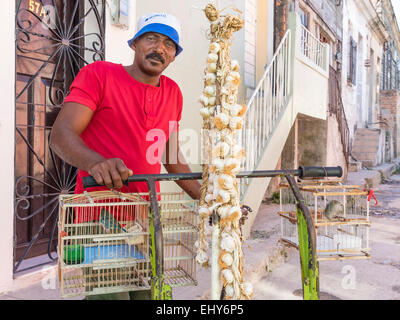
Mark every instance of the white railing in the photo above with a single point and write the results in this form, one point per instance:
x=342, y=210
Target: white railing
x=265, y=107
x=312, y=49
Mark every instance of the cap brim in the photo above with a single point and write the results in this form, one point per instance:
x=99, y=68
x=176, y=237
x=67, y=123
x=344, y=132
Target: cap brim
x=162, y=29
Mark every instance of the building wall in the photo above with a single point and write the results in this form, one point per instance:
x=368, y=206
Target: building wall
x=7, y=132
x=356, y=97
x=390, y=102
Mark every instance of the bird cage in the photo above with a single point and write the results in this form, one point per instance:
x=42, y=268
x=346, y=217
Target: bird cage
x=340, y=214
x=104, y=247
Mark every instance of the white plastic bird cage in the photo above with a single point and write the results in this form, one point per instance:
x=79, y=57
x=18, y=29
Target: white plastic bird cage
x=340, y=214
x=103, y=243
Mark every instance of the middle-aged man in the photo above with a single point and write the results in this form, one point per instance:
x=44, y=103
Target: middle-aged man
x=114, y=115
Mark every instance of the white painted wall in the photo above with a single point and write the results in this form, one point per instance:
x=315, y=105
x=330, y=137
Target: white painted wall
x=7, y=131
x=117, y=49
x=352, y=14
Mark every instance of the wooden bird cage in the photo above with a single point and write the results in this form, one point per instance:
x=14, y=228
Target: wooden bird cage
x=341, y=234
x=104, y=242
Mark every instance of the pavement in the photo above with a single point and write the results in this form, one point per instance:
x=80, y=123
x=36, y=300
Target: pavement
x=274, y=269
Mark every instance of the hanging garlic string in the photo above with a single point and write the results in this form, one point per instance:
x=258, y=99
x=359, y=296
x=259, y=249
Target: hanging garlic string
x=222, y=118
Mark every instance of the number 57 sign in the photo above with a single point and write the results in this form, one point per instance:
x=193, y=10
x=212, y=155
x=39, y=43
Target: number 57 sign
x=46, y=13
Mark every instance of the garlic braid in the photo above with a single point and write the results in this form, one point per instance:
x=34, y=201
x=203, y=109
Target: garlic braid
x=222, y=118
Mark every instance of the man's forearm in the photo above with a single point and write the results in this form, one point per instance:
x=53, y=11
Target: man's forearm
x=71, y=148
x=191, y=187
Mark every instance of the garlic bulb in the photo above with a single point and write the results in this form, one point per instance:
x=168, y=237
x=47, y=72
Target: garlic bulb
x=235, y=109
x=205, y=113
x=235, y=212
x=223, y=196
x=214, y=47
x=212, y=57
x=222, y=149
x=209, y=198
x=242, y=112
x=228, y=243
x=204, y=212
x=235, y=123
x=204, y=100
x=229, y=291
x=235, y=65
x=247, y=288
x=232, y=165
x=223, y=211
x=228, y=275
x=210, y=90
x=221, y=121
x=225, y=181
x=202, y=257
x=218, y=163
x=236, y=78
x=212, y=100
x=227, y=258
x=210, y=78
x=237, y=152
x=212, y=67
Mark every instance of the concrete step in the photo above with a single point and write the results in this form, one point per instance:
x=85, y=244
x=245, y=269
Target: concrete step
x=369, y=163
x=364, y=149
x=365, y=144
x=360, y=156
x=387, y=169
x=365, y=178
x=368, y=131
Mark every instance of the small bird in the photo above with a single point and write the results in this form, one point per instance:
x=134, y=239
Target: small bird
x=333, y=210
x=108, y=222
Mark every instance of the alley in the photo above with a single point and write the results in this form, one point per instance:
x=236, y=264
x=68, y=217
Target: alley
x=375, y=279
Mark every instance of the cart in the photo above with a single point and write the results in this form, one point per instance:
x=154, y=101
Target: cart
x=148, y=265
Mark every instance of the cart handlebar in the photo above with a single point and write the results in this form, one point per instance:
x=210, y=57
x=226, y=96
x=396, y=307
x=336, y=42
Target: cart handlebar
x=302, y=172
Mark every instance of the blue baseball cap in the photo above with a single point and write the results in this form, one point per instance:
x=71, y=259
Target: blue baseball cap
x=163, y=23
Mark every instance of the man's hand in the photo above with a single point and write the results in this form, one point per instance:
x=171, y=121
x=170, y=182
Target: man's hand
x=110, y=172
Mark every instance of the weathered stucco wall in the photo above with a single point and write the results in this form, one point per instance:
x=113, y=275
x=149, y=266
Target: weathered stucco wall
x=312, y=141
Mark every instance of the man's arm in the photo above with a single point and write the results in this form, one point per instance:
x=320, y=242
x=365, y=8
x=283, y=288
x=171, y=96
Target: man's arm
x=176, y=163
x=66, y=142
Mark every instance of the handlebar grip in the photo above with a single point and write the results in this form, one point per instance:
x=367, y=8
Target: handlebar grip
x=317, y=172
x=89, y=182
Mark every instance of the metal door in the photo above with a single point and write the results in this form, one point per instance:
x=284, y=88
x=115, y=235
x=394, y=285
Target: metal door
x=51, y=47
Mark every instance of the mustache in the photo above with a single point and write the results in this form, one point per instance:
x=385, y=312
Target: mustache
x=156, y=56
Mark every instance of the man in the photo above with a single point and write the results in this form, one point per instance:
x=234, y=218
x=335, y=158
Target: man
x=114, y=114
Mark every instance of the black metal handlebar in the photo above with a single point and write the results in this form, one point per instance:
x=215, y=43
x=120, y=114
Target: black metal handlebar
x=302, y=172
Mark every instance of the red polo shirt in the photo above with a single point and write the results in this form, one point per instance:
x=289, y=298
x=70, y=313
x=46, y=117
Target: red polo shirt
x=131, y=121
